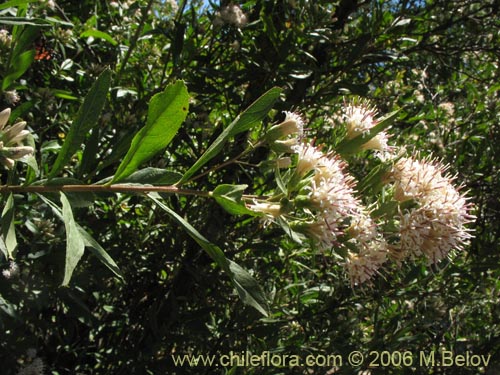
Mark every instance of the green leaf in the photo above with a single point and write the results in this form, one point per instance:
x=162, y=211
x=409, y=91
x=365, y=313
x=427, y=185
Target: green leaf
x=167, y=111
x=19, y=65
x=75, y=245
x=89, y=241
x=99, y=252
x=89, y=160
x=374, y=181
x=15, y=3
x=99, y=35
x=212, y=250
x=351, y=146
x=39, y=22
x=153, y=176
x=86, y=118
x=8, y=229
x=252, y=115
x=8, y=308
x=246, y=286
x=3, y=248
x=63, y=94
x=229, y=197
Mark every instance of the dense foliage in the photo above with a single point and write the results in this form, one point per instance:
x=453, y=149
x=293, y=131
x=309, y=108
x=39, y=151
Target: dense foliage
x=88, y=77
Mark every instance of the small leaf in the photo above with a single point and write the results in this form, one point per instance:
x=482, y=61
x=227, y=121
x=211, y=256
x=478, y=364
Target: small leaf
x=246, y=286
x=229, y=197
x=374, y=181
x=75, y=244
x=8, y=229
x=86, y=118
x=99, y=35
x=167, y=111
x=252, y=115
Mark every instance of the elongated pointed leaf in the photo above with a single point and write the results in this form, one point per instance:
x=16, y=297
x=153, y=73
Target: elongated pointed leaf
x=212, y=250
x=90, y=242
x=153, y=176
x=247, y=287
x=15, y=3
x=167, y=111
x=252, y=115
x=99, y=252
x=86, y=118
x=75, y=246
x=9, y=240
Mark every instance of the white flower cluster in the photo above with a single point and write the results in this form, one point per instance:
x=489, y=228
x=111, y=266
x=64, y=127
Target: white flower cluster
x=12, y=271
x=340, y=213
x=330, y=193
x=317, y=199
x=232, y=15
x=360, y=118
x=5, y=38
x=437, y=224
x=36, y=367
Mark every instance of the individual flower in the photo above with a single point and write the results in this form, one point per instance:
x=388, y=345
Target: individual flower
x=10, y=140
x=309, y=157
x=269, y=210
x=360, y=118
x=365, y=264
x=231, y=14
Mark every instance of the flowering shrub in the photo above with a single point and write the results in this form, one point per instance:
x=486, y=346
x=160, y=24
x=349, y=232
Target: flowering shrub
x=193, y=178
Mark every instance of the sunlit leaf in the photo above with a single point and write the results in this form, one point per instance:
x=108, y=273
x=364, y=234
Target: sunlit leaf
x=75, y=246
x=252, y=115
x=86, y=118
x=99, y=35
x=167, y=111
x=9, y=241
